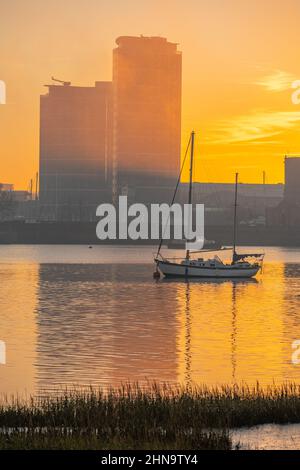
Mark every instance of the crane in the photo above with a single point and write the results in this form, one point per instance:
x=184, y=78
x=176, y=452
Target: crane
x=61, y=81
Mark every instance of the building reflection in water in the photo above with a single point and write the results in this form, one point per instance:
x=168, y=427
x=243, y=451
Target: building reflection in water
x=18, y=294
x=103, y=325
x=291, y=323
x=82, y=324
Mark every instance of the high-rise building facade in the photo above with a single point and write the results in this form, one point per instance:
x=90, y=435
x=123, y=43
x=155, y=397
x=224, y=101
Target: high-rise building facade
x=287, y=213
x=75, y=145
x=292, y=180
x=146, y=117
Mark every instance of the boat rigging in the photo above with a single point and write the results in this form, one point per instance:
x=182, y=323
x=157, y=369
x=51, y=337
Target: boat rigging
x=242, y=265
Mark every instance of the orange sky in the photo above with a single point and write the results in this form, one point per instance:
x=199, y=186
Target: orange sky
x=240, y=58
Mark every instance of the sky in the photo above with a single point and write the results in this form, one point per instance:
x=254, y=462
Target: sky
x=240, y=58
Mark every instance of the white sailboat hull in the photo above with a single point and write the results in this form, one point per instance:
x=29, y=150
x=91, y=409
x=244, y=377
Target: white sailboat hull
x=178, y=270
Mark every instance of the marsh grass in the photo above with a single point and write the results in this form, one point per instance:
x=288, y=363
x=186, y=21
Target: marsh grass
x=135, y=417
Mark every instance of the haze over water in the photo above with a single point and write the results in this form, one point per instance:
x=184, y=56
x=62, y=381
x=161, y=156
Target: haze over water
x=77, y=316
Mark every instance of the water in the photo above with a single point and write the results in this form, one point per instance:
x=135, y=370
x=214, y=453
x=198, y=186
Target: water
x=71, y=315
x=267, y=437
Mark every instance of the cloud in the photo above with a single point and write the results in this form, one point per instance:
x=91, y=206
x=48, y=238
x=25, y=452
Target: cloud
x=255, y=127
x=277, y=81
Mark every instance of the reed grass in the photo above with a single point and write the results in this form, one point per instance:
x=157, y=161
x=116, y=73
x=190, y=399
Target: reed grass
x=90, y=440
x=135, y=417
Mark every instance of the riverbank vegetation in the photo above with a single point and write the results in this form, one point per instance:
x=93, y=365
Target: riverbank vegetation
x=135, y=417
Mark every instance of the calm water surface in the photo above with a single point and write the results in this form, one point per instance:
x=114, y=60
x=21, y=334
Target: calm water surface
x=71, y=315
x=267, y=437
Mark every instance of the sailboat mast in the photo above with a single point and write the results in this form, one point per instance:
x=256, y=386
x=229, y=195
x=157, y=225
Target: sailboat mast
x=191, y=182
x=235, y=217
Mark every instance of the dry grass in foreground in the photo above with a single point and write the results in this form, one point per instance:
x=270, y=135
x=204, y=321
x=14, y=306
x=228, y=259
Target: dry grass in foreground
x=132, y=417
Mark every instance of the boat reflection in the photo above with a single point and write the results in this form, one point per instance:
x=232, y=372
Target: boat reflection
x=235, y=281
x=70, y=324
x=231, y=329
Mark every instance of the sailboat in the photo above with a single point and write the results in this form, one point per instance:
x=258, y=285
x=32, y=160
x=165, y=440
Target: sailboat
x=241, y=265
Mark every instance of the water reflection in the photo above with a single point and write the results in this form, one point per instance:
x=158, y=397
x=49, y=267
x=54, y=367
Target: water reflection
x=101, y=324
x=18, y=298
x=218, y=330
x=234, y=333
x=188, y=358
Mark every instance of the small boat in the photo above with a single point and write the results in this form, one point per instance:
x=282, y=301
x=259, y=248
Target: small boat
x=210, y=268
x=241, y=265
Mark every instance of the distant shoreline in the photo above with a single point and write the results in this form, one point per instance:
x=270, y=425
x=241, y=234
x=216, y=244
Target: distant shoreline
x=84, y=233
